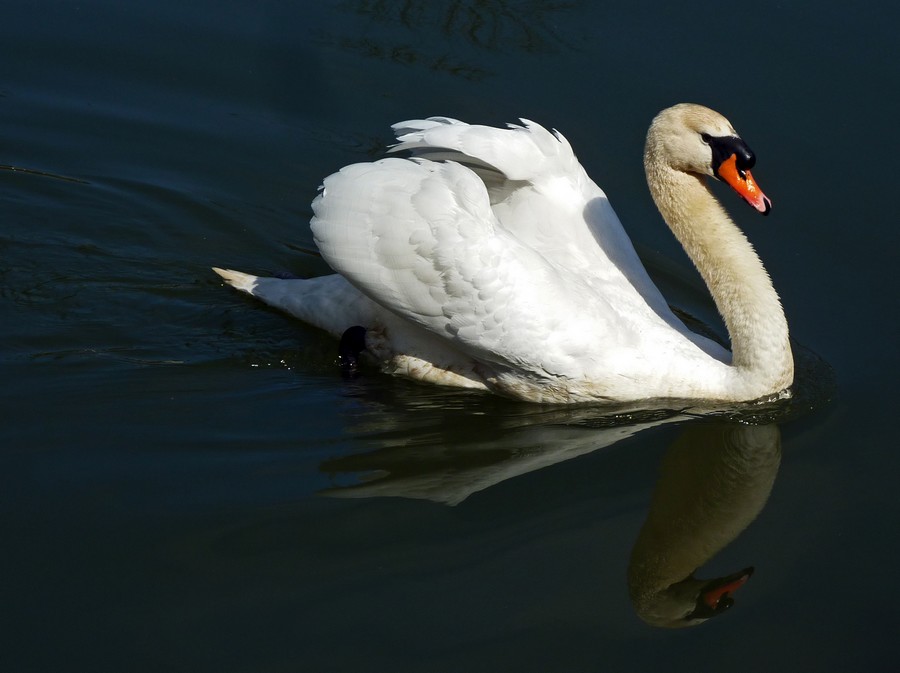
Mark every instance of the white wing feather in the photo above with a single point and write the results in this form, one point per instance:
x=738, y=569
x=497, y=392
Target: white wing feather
x=420, y=239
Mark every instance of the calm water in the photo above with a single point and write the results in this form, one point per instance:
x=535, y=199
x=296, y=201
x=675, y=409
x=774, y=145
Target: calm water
x=169, y=448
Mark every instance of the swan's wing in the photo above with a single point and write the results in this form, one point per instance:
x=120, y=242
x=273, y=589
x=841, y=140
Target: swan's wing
x=541, y=194
x=531, y=175
x=420, y=238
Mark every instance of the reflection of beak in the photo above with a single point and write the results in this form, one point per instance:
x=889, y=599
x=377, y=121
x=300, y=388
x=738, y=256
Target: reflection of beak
x=743, y=183
x=717, y=594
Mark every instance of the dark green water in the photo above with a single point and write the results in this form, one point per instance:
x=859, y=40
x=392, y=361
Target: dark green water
x=167, y=446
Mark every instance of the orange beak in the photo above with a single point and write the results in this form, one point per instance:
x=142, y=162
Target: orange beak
x=743, y=183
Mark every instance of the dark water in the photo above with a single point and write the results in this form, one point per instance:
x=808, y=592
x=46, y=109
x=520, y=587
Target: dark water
x=168, y=446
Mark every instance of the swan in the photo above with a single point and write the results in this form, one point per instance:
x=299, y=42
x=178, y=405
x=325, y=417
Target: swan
x=488, y=259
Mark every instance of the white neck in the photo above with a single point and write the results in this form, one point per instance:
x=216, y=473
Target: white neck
x=762, y=363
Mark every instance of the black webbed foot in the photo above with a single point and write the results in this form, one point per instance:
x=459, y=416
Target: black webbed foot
x=353, y=342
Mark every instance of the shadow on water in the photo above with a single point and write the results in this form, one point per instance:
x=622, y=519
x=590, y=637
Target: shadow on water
x=713, y=481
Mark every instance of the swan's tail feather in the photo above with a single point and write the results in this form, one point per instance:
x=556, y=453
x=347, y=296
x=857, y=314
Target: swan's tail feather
x=327, y=302
x=244, y=282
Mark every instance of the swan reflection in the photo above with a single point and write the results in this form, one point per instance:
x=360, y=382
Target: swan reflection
x=714, y=480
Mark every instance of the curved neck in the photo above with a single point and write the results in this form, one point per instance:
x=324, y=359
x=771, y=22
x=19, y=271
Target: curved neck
x=762, y=362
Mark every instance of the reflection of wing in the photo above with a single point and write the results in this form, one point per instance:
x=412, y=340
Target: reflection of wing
x=450, y=474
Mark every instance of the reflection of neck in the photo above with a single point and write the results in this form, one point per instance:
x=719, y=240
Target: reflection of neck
x=713, y=482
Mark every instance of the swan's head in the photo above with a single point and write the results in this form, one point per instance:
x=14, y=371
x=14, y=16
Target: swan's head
x=694, y=139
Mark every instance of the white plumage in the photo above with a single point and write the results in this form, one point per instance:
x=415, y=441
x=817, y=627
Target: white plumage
x=489, y=259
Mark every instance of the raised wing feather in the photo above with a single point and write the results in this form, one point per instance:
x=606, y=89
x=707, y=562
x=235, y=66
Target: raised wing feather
x=520, y=153
x=542, y=195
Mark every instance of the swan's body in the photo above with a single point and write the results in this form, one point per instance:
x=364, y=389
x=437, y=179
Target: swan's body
x=491, y=260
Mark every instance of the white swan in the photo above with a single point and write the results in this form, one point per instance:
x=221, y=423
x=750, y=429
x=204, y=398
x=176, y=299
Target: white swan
x=490, y=260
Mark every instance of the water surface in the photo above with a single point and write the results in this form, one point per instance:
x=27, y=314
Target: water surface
x=177, y=461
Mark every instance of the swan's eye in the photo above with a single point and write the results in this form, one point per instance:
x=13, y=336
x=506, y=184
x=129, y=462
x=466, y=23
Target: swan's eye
x=705, y=137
